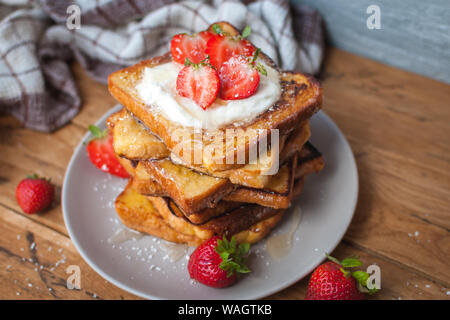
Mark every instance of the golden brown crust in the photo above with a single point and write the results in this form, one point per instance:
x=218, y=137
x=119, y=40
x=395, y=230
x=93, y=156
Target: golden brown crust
x=132, y=140
x=191, y=191
x=138, y=213
x=277, y=193
x=301, y=98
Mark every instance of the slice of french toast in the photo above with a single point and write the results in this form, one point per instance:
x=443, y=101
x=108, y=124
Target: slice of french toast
x=145, y=146
x=228, y=223
x=133, y=140
x=139, y=213
x=309, y=160
x=191, y=191
x=301, y=97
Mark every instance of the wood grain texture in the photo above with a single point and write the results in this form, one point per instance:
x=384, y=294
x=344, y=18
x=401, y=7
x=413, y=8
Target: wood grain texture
x=397, y=124
x=414, y=35
x=34, y=260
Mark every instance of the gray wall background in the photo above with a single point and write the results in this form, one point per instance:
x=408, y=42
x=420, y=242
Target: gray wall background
x=414, y=34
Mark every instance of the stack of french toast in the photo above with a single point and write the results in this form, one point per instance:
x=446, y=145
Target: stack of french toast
x=187, y=185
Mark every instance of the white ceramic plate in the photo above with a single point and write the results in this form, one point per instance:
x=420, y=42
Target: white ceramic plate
x=142, y=266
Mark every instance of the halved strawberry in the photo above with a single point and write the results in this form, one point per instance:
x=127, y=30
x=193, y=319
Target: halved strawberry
x=239, y=79
x=221, y=47
x=200, y=82
x=101, y=152
x=192, y=47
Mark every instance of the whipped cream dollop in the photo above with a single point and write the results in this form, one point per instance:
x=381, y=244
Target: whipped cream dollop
x=157, y=88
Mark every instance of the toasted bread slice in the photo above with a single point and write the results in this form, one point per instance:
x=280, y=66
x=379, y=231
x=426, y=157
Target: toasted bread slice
x=143, y=182
x=147, y=146
x=227, y=224
x=132, y=140
x=276, y=193
x=190, y=190
x=310, y=160
x=138, y=212
x=128, y=165
x=298, y=187
x=301, y=97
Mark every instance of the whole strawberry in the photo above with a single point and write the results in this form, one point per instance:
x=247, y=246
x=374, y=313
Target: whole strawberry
x=101, y=152
x=34, y=194
x=216, y=262
x=332, y=281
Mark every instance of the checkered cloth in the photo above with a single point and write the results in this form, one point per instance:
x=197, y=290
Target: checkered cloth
x=36, y=47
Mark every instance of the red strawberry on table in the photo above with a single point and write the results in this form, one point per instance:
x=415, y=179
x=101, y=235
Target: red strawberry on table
x=101, y=152
x=333, y=281
x=199, y=82
x=216, y=262
x=34, y=194
x=192, y=47
x=239, y=77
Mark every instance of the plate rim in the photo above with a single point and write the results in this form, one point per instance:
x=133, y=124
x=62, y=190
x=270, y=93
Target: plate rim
x=146, y=295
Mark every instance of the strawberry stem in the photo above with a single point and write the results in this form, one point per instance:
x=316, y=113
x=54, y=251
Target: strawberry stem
x=204, y=62
x=360, y=276
x=246, y=32
x=233, y=258
x=96, y=133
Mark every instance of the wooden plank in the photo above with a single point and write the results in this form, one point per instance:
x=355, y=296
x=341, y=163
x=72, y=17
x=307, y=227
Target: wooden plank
x=414, y=34
x=397, y=283
x=33, y=263
x=402, y=157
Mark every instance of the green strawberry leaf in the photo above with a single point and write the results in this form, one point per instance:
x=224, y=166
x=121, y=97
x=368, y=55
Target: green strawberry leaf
x=217, y=29
x=244, y=248
x=362, y=277
x=233, y=256
x=32, y=176
x=351, y=262
x=96, y=133
x=246, y=32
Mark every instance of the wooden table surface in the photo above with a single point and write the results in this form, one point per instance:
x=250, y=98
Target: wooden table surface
x=398, y=125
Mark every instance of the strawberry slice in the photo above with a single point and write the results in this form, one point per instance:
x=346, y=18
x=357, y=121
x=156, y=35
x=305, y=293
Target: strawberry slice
x=101, y=152
x=221, y=48
x=239, y=78
x=199, y=82
x=192, y=47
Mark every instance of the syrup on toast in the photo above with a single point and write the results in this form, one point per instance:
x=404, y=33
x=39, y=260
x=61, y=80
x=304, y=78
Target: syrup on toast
x=301, y=97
